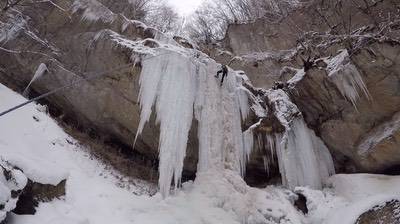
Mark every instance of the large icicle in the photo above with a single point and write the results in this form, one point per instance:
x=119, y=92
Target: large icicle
x=346, y=77
x=168, y=82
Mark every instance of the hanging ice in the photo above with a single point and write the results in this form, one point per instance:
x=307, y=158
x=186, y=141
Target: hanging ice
x=346, y=77
x=177, y=83
x=303, y=158
x=168, y=81
x=42, y=68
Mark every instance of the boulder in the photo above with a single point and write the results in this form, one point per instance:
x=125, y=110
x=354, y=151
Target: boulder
x=388, y=212
x=12, y=182
x=367, y=132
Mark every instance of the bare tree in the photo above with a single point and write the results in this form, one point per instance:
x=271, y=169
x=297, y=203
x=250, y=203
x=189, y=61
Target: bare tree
x=10, y=4
x=210, y=21
x=164, y=18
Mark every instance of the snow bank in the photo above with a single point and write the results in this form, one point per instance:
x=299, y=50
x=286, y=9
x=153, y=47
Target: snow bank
x=32, y=141
x=11, y=181
x=349, y=196
x=346, y=77
x=27, y=154
x=362, y=192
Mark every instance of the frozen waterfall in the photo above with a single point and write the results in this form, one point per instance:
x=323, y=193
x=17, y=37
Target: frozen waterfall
x=179, y=86
x=303, y=158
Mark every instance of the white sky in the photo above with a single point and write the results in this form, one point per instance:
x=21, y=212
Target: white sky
x=185, y=7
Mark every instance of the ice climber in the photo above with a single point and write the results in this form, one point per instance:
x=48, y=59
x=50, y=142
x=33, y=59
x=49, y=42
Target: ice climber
x=224, y=71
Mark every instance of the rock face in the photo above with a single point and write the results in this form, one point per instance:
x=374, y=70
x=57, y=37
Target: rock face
x=368, y=132
x=262, y=48
x=12, y=182
x=387, y=213
x=22, y=195
x=362, y=136
x=34, y=192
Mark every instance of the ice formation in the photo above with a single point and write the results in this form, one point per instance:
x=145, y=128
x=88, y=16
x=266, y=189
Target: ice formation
x=168, y=81
x=180, y=85
x=303, y=158
x=42, y=68
x=346, y=77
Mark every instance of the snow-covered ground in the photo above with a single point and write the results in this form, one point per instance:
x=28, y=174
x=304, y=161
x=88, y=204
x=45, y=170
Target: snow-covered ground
x=31, y=140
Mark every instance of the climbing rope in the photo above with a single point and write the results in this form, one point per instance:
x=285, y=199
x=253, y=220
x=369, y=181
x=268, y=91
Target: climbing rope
x=66, y=87
x=75, y=83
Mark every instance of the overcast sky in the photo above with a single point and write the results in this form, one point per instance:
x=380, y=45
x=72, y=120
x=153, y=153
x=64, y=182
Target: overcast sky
x=185, y=7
